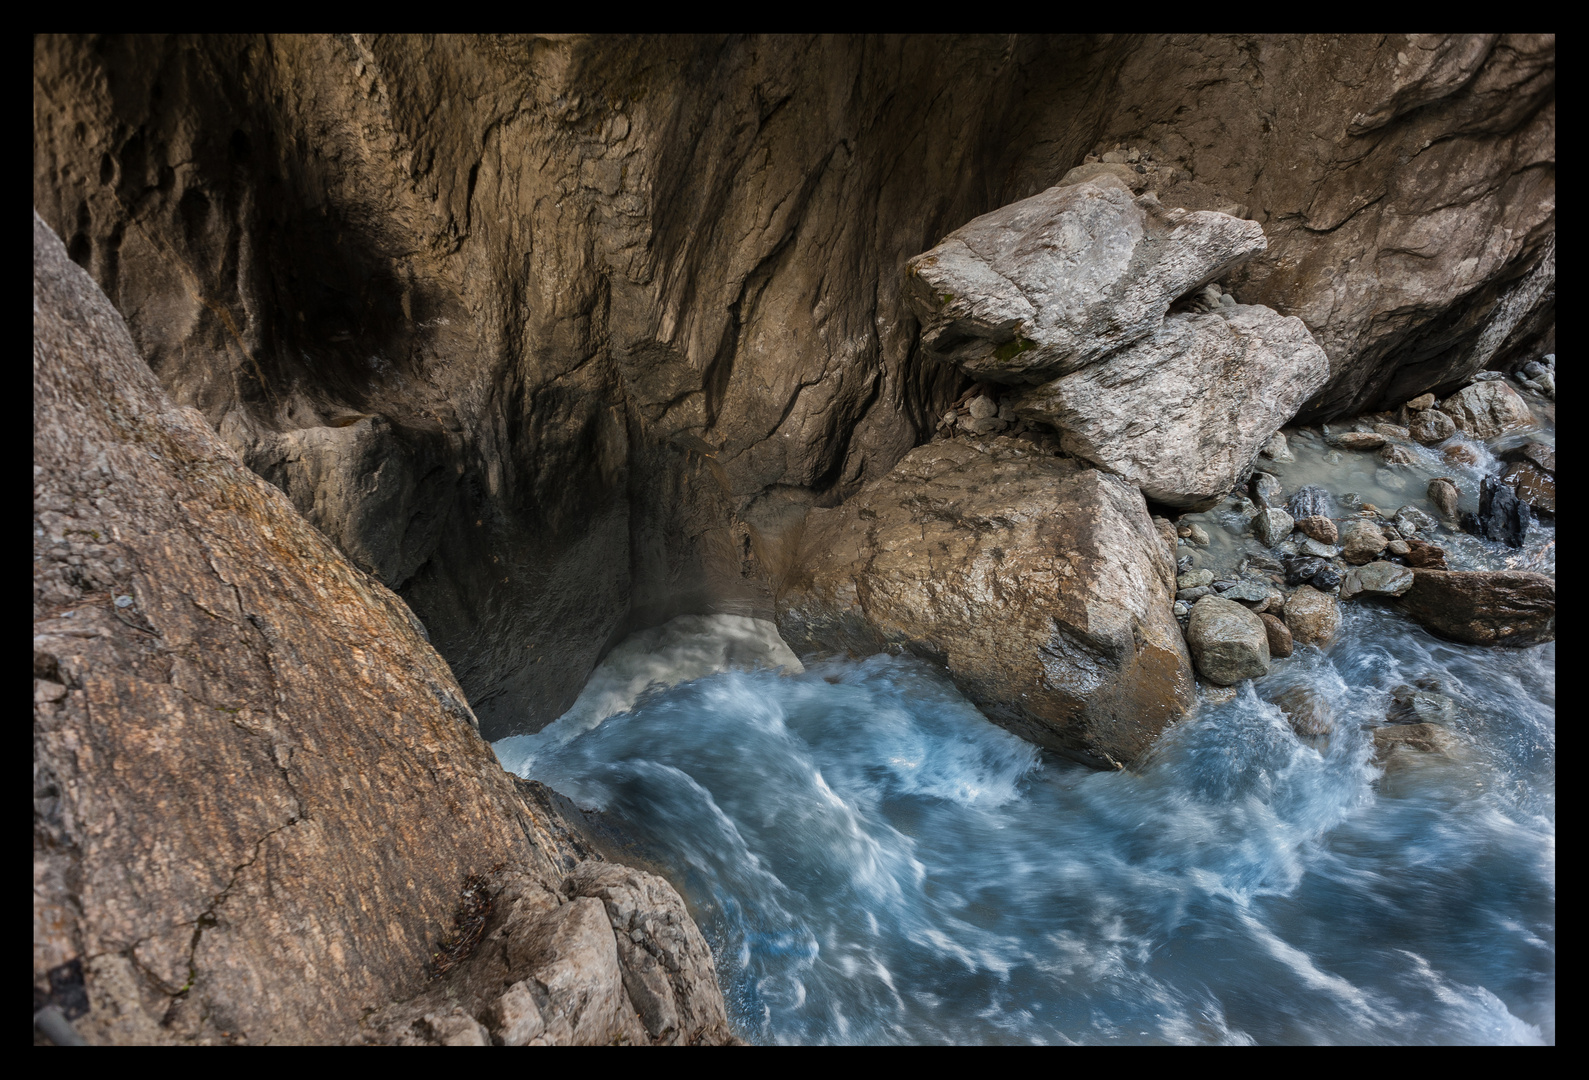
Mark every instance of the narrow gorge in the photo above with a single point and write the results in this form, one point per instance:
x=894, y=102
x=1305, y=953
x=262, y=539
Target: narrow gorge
x=714, y=539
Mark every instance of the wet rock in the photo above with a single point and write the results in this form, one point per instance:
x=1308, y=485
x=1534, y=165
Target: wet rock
x=1318, y=550
x=1397, y=547
x=1327, y=578
x=1483, y=607
x=1362, y=541
x=1444, y=493
x=1421, y=402
x=1183, y=412
x=1392, y=431
x=1419, y=738
x=1247, y=591
x=1041, y=586
x=1431, y=426
x=1425, y=556
x=1487, y=409
x=1266, y=490
x=1359, y=440
x=1502, y=516
x=1056, y=282
x=1310, y=501
x=1376, y=579
x=1540, y=454
x=1279, y=634
x=1276, y=449
x=1195, y=593
x=1193, y=579
x=1410, y=520
x=1182, y=609
x=1271, y=526
x=1193, y=533
x=1392, y=454
x=1307, y=710
x=1460, y=453
x=1228, y=643
x=1533, y=485
x=1321, y=529
x=1299, y=569
x=1312, y=617
x=1415, y=705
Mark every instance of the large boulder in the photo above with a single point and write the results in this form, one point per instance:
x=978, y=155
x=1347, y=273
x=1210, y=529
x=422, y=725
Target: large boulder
x=1487, y=409
x=1483, y=607
x=1043, y=588
x=259, y=793
x=1183, y=412
x=1054, y=282
x=1228, y=642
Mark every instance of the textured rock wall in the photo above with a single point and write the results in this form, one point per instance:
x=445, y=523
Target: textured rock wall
x=560, y=336
x=257, y=791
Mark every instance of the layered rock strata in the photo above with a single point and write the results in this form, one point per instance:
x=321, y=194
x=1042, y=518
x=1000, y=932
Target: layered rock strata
x=258, y=791
x=1042, y=586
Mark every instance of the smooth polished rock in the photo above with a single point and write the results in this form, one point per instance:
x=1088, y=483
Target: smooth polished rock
x=1228, y=642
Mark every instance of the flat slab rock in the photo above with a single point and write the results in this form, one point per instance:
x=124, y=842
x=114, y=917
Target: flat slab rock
x=1054, y=282
x=1183, y=412
x=1483, y=607
x=1041, y=585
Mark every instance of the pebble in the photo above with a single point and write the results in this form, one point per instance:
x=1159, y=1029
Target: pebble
x=124, y=601
x=1432, y=426
x=1195, y=594
x=1182, y=609
x=1392, y=431
x=983, y=407
x=1194, y=533
x=1398, y=547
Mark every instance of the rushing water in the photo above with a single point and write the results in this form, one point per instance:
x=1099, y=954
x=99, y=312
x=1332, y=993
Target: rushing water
x=872, y=861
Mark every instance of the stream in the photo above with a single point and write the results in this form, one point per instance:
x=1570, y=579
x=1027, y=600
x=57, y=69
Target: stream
x=874, y=862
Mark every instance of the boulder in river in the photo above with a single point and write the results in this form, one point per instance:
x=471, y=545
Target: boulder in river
x=1443, y=492
x=1228, y=642
x=1057, y=281
x=1312, y=617
x=1420, y=738
x=1431, y=426
x=1502, y=517
x=1271, y=526
x=1376, y=579
x=1361, y=541
x=1487, y=409
x=1041, y=586
x=1483, y=607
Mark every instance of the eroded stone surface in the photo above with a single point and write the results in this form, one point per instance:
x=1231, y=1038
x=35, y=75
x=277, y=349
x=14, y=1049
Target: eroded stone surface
x=1228, y=642
x=1481, y=607
x=1183, y=413
x=1052, y=283
x=1042, y=586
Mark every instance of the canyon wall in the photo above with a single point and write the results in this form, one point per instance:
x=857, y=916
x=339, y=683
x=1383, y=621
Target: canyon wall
x=560, y=336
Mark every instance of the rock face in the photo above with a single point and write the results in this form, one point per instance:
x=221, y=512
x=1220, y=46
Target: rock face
x=1183, y=413
x=619, y=309
x=1042, y=586
x=1501, y=607
x=258, y=791
x=1228, y=642
x=1053, y=283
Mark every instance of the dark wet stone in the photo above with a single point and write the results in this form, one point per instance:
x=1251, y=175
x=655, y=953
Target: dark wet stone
x=1502, y=516
x=1310, y=501
x=1410, y=705
x=1266, y=490
x=1328, y=578
x=1301, y=568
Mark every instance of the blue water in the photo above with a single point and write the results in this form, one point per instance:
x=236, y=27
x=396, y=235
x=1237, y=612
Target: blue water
x=874, y=862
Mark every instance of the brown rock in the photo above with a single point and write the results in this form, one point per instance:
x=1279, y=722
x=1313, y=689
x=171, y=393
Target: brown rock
x=1534, y=486
x=1487, y=409
x=1312, y=617
x=1392, y=431
x=1041, y=586
x=1321, y=529
x=1481, y=607
x=1362, y=541
x=1280, y=644
x=1391, y=454
x=1308, y=712
x=1431, y=426
x=1460, y=454
x=1359, y=440
x=1421, y=402
x=1443, y=492
x=1420, y=738
x=260, y=791
x=1424, y=555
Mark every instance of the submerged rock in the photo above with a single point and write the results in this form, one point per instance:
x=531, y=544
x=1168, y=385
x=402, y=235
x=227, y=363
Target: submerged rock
x=1483, y=607
x=1228, y=642
x=1043, y=587
x=1055, y=282
x=1307, y=710
x=1419, y=738
x=1183, y=412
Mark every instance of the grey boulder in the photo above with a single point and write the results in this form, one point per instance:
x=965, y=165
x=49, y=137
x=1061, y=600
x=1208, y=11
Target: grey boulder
x=1228, y=642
